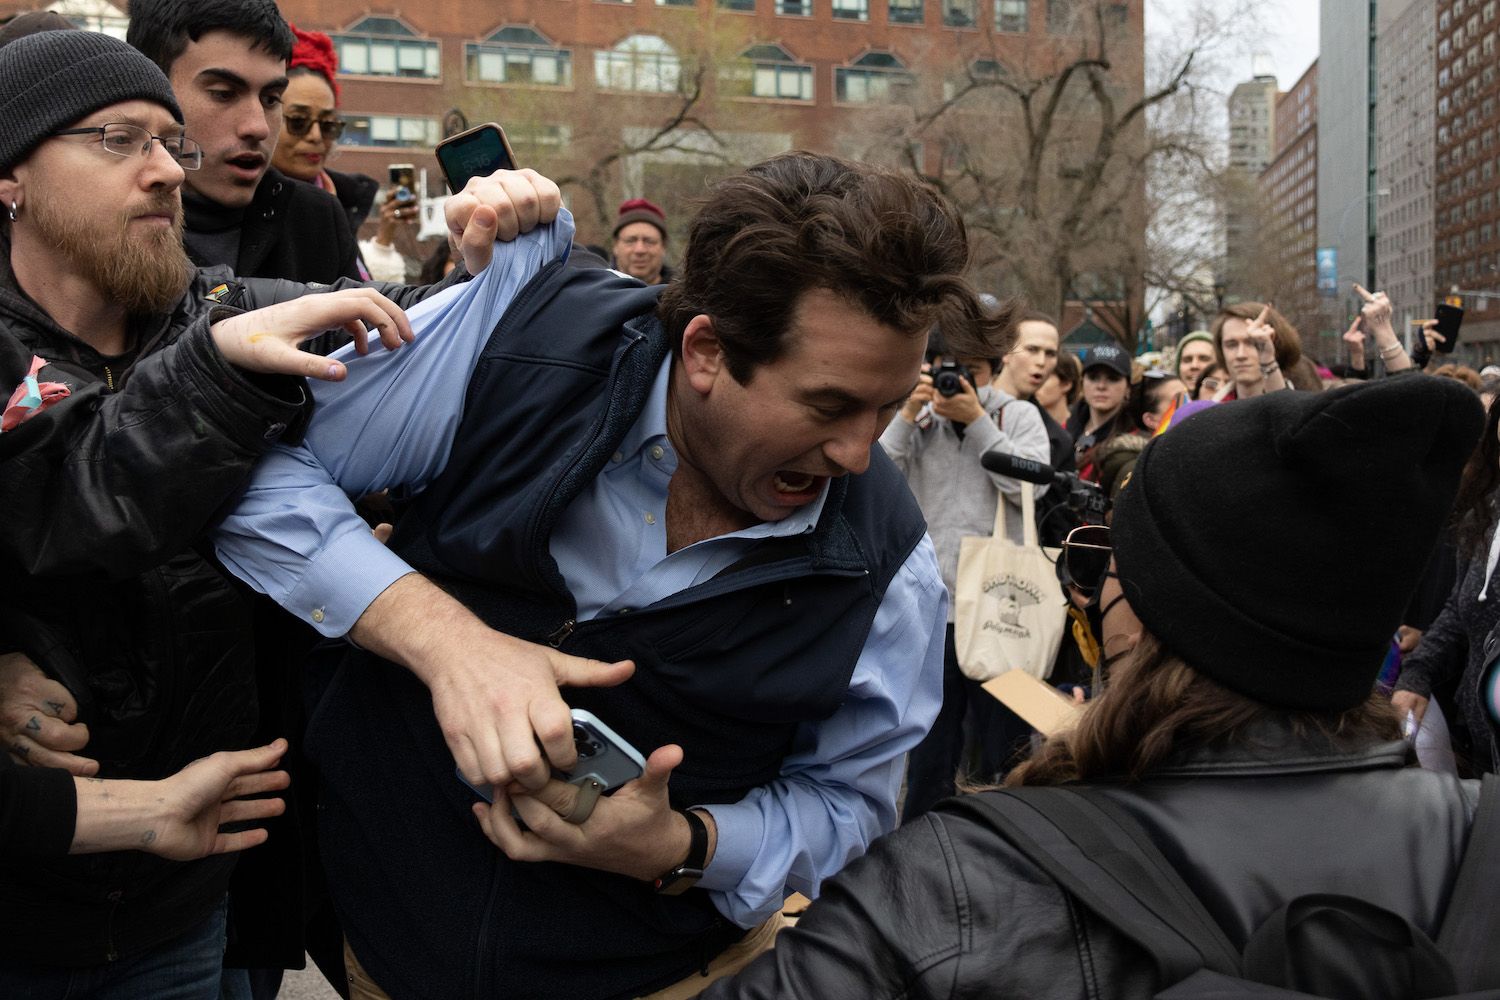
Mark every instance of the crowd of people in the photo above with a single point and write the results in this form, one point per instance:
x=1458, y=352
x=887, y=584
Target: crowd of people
x=316, y=580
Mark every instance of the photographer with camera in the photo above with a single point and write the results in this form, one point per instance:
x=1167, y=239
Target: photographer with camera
x=953, y=418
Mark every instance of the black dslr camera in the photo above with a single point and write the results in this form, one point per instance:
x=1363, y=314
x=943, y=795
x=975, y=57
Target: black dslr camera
x=946, y=376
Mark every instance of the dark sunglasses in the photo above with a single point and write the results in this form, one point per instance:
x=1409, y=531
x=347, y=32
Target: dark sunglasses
x=328, y=128
x=1085, y=556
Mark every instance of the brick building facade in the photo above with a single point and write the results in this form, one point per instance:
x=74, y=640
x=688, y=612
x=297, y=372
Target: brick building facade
x=588, y=91
x=1466, y=248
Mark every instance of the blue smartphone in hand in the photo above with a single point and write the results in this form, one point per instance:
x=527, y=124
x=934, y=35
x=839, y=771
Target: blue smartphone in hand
x=605, y=762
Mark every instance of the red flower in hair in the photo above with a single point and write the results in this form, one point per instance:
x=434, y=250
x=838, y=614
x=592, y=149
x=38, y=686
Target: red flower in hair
x=315, y=51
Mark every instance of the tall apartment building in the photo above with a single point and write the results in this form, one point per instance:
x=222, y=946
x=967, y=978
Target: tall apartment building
x=1404, y=151
x=1346, y=161
x=1252, y=140
x=1466, y=250
x=1286, y=269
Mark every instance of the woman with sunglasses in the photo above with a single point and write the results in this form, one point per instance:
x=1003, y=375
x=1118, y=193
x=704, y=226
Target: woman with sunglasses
x=311, y=126
x=1238, y=733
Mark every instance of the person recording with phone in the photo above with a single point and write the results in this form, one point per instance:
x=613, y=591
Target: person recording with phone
x=954, y=417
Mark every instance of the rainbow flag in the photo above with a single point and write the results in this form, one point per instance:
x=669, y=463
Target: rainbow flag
x=1166, y=418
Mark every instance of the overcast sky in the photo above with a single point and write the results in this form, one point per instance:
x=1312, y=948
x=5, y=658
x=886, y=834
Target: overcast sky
x=1290, y=36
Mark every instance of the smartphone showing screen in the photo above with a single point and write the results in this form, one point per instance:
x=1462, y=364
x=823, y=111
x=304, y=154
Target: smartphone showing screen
x=1449, y=319
x=476, y=153
x=404, y=183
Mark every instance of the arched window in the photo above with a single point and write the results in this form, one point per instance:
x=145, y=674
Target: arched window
x=641, y=62
x=768, y=71
x=518, y=54
x=385, y=46
x=873, y=78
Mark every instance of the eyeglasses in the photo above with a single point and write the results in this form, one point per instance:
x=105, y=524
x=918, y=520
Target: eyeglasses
x=329, y=128
x=1210, y=383
x=133, y=140
x=1085, y=556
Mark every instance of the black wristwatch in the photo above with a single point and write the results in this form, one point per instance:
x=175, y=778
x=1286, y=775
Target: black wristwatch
x=686, y=875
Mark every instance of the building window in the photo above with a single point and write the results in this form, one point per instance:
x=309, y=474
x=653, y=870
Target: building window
x=1010, y=15
x=641, y=62
x=741, y=5
x=1062, y=18
x=904, y=11
x=390, y=130
x=518, y=54
x=383, y=46
x=794, y=8
x=873, y=78
x=768, y=71
x=676, y=3
x=960, y=13
x=852, y=10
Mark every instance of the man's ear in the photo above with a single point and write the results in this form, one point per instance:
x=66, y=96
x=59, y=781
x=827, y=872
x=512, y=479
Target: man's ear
x=11, y=190
x=1150, y=420
x=701, y=357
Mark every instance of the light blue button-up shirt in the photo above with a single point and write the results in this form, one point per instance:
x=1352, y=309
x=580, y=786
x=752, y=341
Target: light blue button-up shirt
x=390, y=423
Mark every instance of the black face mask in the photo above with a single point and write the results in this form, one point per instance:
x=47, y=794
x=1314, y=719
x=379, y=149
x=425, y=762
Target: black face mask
x=1095, y=615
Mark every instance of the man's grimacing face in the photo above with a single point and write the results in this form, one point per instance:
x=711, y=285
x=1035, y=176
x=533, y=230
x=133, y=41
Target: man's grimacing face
x=770, y=445
x=230, y=93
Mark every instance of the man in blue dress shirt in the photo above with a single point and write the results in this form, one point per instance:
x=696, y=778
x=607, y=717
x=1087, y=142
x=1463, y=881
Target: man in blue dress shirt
x=669, y=504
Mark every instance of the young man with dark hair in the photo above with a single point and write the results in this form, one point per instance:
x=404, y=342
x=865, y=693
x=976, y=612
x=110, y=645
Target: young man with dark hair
x=937, y=441
x=227, y=63
x=678, y=511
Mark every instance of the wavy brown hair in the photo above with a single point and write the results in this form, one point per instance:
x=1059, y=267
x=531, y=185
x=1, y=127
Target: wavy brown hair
x=801, y=221
x=1155, y=706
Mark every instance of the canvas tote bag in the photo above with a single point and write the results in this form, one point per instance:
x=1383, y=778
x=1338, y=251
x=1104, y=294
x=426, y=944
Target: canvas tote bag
x=1009, y=611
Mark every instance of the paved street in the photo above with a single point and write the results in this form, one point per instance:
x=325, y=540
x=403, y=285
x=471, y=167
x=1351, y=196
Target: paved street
x=307, y=984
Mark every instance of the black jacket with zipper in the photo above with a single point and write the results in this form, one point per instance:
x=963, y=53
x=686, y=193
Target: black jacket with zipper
x=108, y=583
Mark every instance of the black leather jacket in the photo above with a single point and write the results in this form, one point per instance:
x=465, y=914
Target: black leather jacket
x=107, y=582
x=943, y=907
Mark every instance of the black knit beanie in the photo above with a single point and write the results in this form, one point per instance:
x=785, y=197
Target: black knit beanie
x=50, y=80
x=1274, y=543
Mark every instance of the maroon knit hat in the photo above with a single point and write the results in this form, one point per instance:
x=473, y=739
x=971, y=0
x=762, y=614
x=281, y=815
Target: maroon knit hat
x=641, y=210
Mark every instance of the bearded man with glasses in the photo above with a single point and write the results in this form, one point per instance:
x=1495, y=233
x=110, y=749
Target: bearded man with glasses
x=140, y=392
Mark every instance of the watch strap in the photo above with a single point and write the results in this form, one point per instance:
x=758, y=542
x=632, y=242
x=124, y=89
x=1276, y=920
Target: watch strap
x=687, y=874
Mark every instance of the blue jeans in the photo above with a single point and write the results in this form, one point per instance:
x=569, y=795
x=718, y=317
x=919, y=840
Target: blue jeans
x=185, y=968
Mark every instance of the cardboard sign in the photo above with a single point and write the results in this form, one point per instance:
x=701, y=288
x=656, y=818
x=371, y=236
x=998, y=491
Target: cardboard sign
x=1045, y=709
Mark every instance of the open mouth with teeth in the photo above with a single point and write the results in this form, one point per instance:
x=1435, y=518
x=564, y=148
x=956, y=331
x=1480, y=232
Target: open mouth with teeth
x=789, y=482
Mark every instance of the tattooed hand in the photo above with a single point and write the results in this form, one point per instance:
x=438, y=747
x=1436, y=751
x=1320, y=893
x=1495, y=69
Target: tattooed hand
x=179, y=817
x=37, y=718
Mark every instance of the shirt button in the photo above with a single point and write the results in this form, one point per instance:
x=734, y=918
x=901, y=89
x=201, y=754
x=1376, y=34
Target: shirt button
x=656, y=452
x=617, y=457
x=317, y=615
x=650, y=517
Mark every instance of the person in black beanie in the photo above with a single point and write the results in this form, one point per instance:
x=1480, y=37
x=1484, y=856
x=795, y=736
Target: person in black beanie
x=1238, y=732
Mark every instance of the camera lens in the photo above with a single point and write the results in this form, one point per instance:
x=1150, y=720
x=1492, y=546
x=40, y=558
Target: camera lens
x=584, y=743
x=948, y=384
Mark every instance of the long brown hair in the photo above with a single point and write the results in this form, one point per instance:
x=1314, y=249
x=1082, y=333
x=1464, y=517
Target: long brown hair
x=1471, y=510
x=1155, y=706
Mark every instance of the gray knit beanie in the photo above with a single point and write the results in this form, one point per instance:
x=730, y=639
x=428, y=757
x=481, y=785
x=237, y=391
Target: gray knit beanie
x=50, y=80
